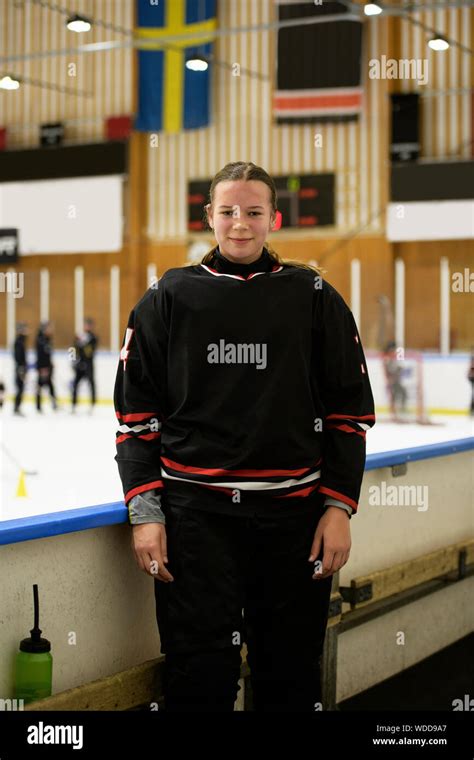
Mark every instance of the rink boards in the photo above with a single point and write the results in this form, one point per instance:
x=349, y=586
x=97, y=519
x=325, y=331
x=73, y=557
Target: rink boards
x=97, y=607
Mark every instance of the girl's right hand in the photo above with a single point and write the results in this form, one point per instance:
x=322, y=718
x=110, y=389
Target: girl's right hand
x=149, y=546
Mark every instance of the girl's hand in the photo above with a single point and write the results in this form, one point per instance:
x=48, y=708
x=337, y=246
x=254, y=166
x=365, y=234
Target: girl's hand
x=149, y=546
x=335, y=533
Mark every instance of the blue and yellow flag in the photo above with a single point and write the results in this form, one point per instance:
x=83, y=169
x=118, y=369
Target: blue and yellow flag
x=171, y=96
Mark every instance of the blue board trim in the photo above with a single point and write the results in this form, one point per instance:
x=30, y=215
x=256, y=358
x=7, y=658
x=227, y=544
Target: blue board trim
x=58, y=523
x=414, y=454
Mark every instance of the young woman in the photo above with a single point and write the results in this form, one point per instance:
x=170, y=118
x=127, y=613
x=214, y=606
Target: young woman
x=243, y=400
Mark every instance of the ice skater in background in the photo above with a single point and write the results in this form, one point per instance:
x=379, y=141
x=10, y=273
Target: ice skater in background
x=85, y=346
x=393, y=368
x=2, y=393
x=44, y=363
x=21, y=367
x=470, y=377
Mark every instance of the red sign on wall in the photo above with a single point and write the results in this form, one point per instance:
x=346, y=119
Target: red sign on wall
x=118, y=127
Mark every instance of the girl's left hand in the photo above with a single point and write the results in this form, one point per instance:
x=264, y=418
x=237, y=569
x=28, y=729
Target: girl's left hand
x=335, y=533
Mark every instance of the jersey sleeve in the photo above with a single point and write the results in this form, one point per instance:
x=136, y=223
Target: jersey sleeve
x=345, y=397
x=140, y=397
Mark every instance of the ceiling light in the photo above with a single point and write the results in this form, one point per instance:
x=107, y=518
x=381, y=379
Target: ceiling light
x=438, y=43
x=372, y=9
x=9, y=83
x=78, y=24
x=196, y=63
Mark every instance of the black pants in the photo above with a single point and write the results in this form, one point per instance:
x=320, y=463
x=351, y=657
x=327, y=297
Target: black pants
x=86, y=373
x=242, y=579
x=45, y=380
x=20, y=385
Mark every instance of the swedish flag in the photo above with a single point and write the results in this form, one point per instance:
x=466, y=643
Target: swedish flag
x=171, y=96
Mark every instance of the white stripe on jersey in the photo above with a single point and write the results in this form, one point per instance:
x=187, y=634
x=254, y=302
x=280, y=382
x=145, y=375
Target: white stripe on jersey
x=253, y=485
x=134, y=429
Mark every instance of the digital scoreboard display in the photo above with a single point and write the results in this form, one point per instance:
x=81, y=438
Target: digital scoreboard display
x=303, y=200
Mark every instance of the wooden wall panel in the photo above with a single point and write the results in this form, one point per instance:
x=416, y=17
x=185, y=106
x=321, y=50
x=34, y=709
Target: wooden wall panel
x=422, y=261
x=461, y=257
x=61, y=288
x=97, y=300
x=26, y=308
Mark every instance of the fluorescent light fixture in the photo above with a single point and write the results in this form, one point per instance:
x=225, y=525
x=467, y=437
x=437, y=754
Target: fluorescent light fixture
x=197, y=64
x=438, y=43
x=372, y=9
x=9, y=83
x=78, y=24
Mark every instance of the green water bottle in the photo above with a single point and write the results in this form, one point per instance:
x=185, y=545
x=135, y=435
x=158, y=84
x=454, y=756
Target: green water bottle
x=34, y=663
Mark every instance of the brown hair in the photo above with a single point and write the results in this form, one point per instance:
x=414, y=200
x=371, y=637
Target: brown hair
x=246, y=170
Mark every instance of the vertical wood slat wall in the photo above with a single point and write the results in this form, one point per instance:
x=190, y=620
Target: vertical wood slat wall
x=241, y=130
x=29, y=28
x=108, y=76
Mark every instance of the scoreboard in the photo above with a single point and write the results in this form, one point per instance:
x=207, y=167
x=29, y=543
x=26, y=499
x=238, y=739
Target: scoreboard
x=304, y=200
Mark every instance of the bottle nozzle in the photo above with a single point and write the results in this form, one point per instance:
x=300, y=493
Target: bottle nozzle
x=35, y=643
x=36, y=630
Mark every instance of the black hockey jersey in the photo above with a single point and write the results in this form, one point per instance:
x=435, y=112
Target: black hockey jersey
x=86, y=346
x=231, y=382
x=19, y=351
x=43, y=351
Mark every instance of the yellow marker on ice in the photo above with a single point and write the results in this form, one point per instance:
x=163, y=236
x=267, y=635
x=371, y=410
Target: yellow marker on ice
x=21, y=490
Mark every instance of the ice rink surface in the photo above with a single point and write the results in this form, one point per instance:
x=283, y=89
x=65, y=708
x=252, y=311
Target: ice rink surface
x=73, y=455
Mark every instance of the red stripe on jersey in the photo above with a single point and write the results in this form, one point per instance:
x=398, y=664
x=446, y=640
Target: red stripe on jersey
x=232, y=473
x=140, y=489
x=350, y=417
x=346, y=429
x=144, y=437
x=340, y=496
x=136, y=416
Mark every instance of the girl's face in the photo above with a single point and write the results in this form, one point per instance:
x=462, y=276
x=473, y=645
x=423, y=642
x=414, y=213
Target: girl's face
x=241, y=218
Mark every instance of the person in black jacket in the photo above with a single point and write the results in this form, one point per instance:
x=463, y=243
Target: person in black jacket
x=85, y=346
x=243, y=401
x=19, y=355
x=44, y=363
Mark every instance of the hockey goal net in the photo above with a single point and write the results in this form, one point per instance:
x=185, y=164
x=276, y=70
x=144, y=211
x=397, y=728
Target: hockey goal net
x=402, y=376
